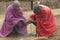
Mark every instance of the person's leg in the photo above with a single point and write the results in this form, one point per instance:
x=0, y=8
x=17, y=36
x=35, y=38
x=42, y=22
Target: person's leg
x=22, y=29
x=19, y=29
x=14, y=31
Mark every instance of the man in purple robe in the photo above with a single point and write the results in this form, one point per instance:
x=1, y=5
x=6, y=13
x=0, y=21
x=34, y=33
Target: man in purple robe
x=14, y=19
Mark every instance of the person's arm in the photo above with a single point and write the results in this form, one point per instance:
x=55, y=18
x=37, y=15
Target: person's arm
x=33, y=21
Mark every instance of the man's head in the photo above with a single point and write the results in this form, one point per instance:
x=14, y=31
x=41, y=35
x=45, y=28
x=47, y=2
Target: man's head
x=36, y=9
x=16, y=5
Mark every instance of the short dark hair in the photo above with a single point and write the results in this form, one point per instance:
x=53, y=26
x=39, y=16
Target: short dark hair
x=36, y=9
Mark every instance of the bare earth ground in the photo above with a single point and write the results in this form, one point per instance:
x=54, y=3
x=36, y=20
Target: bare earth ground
x=32, y=29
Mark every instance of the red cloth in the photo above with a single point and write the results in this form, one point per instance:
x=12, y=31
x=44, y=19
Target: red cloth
x=45, y=22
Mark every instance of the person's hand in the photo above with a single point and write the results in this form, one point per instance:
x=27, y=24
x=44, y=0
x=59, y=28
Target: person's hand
x=24, y=23
x=29, y=21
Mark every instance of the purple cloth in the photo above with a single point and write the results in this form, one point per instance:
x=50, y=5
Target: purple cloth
x=13, y=18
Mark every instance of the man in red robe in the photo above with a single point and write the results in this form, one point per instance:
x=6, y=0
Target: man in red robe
x=43, y=18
